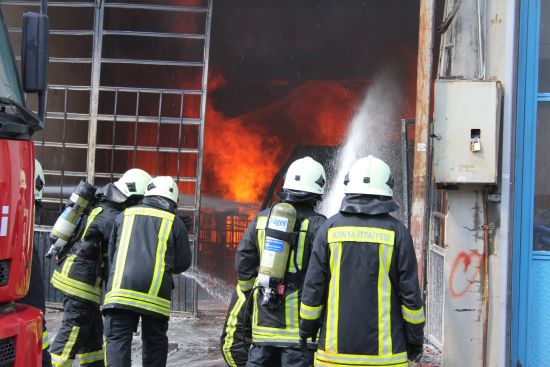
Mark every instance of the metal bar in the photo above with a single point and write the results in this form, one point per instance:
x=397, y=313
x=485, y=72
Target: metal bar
x=178, y=160
x=200, y=153
x=136, y=128
x=157, y=155
x=59, y=32
x=152, y=90
x=61, y=4
x=140, y=148
x=420, y=205
x=152, y=62
x=71, y=60
x=186, y=9
x=155, y=34
x=114, y=135
x=67, y=173
x=94, y=97
x=63, y=143
x=53, y=144
x=65, y=60
x=104, y=88
x=121, y=118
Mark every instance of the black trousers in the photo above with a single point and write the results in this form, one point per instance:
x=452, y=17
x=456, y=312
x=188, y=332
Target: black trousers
x=262, y=356
x=119, y=328
x=81, y=335
x=35, y=297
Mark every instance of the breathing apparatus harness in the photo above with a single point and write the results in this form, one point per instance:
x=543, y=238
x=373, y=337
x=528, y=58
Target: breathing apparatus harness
x=278, y=288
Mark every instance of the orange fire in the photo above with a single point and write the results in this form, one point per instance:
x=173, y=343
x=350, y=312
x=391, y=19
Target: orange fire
x=243, y=154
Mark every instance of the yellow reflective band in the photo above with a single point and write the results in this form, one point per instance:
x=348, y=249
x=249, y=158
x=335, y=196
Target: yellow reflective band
x=247, y=285
x=122, y=250
x=76, y=288
x=291, y=310
x=261, y=222
x=164, y=232
x=301, y=242
x=384, y=300
x=331, y=342
x=137, y=304
x=58, y=361
x=232, y=327
x=150, y=212
x=45, y=340
x=413, y=316
x=91, y=357
x=331, y=359
x=91, y=218
x=361, y=234
x=158, y=301
x=309, y=312
x=70, y=343
x=67, y=265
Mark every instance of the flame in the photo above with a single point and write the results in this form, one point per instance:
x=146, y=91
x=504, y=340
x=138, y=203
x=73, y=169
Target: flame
x=243, y=154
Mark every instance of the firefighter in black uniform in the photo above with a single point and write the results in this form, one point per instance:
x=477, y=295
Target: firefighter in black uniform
x=80, y=275
x=275, y=332
x=362, y=283
x=35, y=296
x=149, y=243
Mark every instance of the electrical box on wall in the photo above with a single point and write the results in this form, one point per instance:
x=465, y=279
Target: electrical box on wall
x=466, y=131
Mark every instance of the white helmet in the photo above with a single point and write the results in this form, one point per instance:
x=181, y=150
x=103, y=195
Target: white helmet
x=306, y=174
x=370, y=176
x=133, y=182
x=39, y=180
x=164, y=186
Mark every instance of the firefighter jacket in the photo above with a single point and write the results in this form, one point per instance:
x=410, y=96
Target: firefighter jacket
x=279, y=326
x=81, y=273
x=149, y=243
x=362, y=288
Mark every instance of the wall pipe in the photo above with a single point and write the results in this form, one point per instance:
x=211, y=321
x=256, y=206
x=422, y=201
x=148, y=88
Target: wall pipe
x=507, y=188
x=420, y=207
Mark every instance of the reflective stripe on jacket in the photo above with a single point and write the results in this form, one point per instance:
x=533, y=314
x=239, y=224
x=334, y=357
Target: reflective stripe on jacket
x=362, y=286
x=233, y=345
x=147, y=246
x=278, y=326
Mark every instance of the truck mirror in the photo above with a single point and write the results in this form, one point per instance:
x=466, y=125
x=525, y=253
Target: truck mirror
x=34, y=52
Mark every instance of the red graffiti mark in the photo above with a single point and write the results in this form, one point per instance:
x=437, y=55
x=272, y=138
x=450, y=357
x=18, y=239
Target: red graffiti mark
x=462, y=277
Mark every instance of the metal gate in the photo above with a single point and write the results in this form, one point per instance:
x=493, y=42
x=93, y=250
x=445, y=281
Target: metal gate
x=127, y=88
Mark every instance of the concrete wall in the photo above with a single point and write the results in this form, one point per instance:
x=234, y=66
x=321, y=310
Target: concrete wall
x=463, y=310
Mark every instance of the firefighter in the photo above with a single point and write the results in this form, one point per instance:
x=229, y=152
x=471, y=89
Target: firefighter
x=35, y=296
x=80, y=275
x=362, y=284
x=275, y=333
x=149, y=243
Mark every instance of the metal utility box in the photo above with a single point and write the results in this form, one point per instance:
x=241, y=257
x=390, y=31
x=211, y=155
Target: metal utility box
x=466, y=131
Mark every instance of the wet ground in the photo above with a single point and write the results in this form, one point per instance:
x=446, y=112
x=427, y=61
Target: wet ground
x=194, y=341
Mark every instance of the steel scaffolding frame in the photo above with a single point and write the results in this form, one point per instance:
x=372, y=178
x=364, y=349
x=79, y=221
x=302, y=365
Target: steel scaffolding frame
x=95, y=88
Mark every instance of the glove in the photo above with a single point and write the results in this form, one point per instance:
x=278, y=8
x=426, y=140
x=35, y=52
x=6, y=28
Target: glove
x=414, y=352
x=188, y=221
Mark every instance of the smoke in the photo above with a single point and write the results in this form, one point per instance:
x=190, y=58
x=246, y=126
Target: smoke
x=375, y=129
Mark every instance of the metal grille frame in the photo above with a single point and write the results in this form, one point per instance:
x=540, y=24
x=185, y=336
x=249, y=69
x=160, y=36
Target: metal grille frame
x=66, y=175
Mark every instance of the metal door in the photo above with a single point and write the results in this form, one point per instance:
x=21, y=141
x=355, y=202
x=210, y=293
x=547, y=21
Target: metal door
x=531, y=277
x=127, y=88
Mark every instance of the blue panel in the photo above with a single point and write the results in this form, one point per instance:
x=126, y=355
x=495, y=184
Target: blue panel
x=540, y=314
x=524, y=185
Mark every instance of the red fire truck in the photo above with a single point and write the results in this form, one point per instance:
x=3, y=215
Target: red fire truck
x=20, y=325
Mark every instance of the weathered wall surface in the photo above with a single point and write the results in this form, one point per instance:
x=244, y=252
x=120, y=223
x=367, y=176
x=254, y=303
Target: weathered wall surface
x=464, y=273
